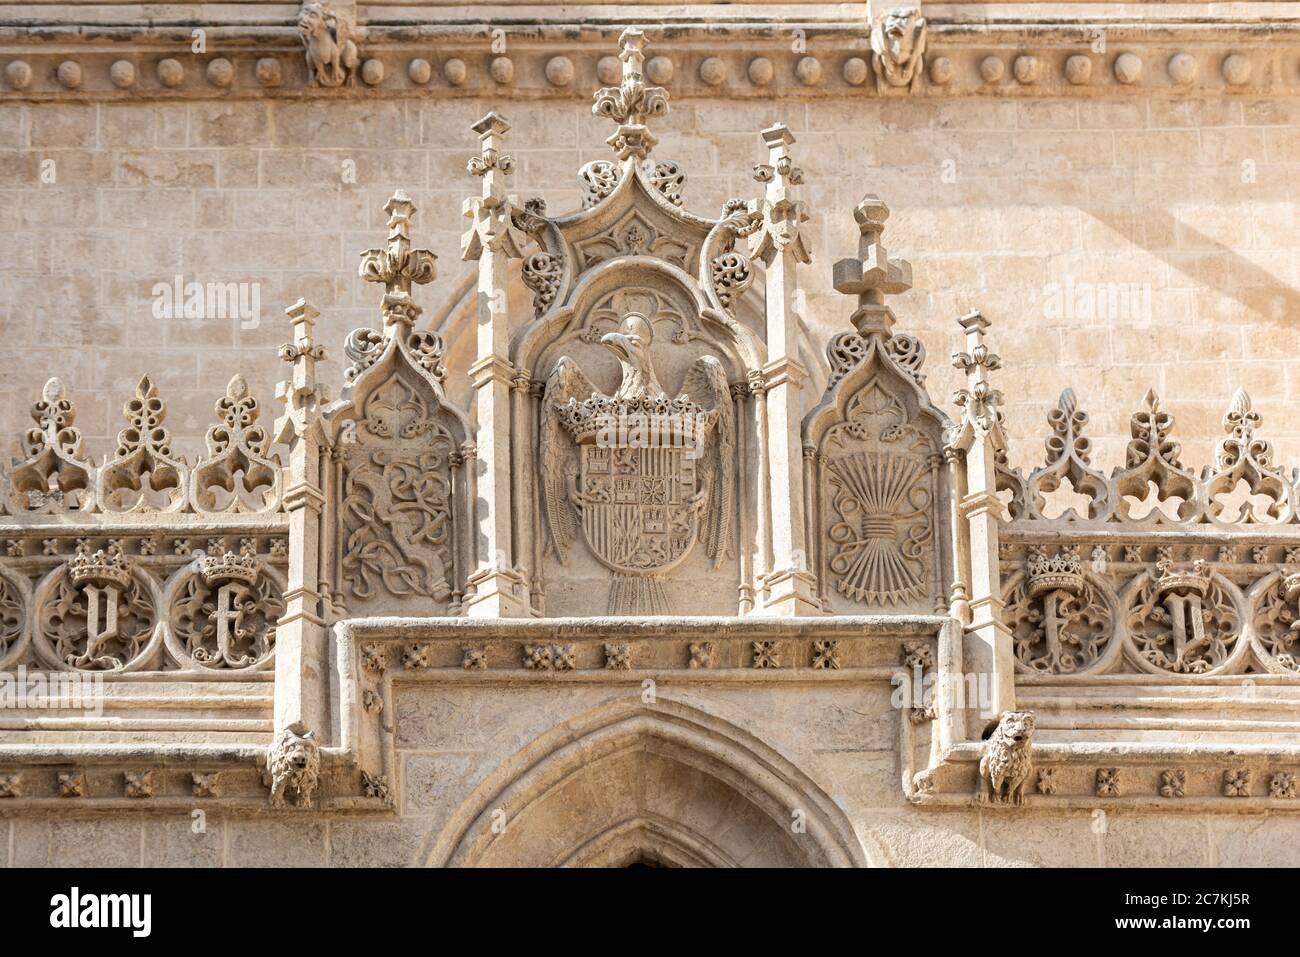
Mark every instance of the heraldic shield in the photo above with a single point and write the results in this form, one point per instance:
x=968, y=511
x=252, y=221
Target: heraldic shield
x=638, y=508
x=648, y=482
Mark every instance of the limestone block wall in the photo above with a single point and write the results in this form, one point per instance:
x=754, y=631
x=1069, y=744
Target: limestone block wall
x=1118, y=242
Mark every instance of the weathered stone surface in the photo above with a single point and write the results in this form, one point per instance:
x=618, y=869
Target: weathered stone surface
x=563, y=543
x=285, y=843
x=376, y=844
x=184, y=842
x=94, y=842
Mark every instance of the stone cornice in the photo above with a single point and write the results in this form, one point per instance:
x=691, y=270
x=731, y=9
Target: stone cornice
x=1050, y=56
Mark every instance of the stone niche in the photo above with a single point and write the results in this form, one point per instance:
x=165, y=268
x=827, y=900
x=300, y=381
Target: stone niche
x=879, y=484
x=650, y=529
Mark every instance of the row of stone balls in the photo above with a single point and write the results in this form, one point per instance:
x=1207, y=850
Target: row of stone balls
x=560, y=72
x=171, y=73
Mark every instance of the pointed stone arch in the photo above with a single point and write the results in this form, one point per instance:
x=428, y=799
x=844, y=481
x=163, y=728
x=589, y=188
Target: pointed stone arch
x=669, y=783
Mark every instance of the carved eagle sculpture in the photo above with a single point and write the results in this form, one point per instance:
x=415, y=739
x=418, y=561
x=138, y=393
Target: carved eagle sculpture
x=704, y=395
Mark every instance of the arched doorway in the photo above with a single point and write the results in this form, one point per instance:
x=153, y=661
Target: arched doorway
x=665, y=785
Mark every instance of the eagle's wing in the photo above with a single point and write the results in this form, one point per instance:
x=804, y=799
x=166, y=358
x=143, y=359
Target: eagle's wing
x=706, y=384
x=557, y=453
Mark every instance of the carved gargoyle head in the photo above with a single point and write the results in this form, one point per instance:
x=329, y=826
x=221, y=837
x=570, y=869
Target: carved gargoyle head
x=901, y=29
x=312, y=21
x=1018, y=726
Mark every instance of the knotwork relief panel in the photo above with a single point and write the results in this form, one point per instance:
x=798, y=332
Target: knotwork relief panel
x=395, y=503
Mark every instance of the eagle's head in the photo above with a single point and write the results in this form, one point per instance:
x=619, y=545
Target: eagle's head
x=632, y=339
x=631, y=344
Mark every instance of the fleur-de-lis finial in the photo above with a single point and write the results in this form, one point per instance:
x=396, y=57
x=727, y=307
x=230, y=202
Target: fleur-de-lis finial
x=630, y=103
x=979, y=399
x=398, y=266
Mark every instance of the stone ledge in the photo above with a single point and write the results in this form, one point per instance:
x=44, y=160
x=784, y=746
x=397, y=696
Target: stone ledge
x=1020, y=59
x=1126, y=777
x=720, y=626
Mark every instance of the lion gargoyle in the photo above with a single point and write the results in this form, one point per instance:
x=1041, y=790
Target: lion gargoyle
x=293, y=767
x=898, y=49
x=332, y=54
x=1007, y=760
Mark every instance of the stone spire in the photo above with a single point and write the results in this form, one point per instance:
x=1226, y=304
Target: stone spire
x=496, y=588
x=300, y=664
x=788, y=586
x=630, y=103
x=872, y=276
x=977, y=444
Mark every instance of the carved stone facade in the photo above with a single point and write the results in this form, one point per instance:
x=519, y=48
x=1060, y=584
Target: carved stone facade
x=660, y=510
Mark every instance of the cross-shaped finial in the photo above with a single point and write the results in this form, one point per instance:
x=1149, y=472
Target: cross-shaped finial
x=632, y=102
x=782, y=213
x=489, y=212
x=398, y=266
x=872, y=275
